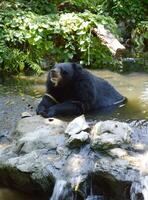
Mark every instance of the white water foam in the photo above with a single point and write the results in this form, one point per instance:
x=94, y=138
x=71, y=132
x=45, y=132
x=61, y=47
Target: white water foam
x=62, y=191
x=140, y=188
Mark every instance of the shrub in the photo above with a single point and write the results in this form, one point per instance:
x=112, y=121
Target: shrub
x=28, y=38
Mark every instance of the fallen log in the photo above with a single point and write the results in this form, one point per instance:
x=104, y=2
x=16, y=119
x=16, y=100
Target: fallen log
x=109, y=40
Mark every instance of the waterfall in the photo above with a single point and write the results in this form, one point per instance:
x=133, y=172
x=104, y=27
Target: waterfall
x=140, y=188
x=62, y=191
x=145, y=189
x=95, y=197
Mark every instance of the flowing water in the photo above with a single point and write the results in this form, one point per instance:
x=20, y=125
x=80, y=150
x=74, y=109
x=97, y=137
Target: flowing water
x=62, y=191
x=22, y=93
x=139, y=189
x=94, y=197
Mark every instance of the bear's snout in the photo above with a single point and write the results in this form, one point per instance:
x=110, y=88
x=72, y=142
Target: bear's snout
x=54, y=73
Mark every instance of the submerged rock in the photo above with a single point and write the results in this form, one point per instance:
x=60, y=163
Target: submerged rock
x=110, y=134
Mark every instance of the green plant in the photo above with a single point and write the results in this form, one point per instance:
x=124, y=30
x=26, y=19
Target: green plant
x=140, y=36
x=34, y=32
x=29, y=37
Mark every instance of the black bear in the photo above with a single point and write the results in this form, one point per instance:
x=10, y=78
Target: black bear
x=72, y=90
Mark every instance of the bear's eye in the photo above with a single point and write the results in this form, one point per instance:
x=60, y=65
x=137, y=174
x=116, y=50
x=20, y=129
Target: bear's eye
x=64, y=72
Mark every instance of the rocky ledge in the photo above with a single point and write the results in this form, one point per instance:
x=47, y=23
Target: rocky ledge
x=75, y=160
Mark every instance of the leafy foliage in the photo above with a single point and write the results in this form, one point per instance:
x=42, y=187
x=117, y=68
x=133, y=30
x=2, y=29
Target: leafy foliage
x=36, y=32
x=27, y=38
x=140, y=36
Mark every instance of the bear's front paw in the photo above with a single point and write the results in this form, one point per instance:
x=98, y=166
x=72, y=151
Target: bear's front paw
x=41, y=111
x=51, y=112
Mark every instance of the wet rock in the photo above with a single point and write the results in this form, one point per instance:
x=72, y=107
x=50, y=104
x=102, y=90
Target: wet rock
x=110, y=134
x=76, y=140
x=76, y=126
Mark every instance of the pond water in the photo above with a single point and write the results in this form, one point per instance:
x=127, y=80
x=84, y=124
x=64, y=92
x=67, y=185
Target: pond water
x=134, y=86
x=22, y=93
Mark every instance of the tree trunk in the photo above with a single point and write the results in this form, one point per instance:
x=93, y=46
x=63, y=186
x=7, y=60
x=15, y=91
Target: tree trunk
x=109, y=40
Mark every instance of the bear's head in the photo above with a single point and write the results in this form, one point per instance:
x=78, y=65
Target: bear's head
x=63, y=73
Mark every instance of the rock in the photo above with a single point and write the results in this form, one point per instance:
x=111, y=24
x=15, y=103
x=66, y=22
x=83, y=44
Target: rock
x=38, y=123
x=39, y=133
x=76, y=126
x=110, y=134
x=118, y=152
x=25, y=114
x=38, y=157
x=76, y=140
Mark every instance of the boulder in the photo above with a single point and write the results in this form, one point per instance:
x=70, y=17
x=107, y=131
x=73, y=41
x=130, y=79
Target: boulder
x=38, y=123
x=38, y=133
x=110, y=134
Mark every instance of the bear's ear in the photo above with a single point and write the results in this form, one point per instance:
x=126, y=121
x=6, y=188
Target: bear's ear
x=76, y=66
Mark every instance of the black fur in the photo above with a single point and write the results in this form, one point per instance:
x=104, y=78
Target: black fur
x=79, y=92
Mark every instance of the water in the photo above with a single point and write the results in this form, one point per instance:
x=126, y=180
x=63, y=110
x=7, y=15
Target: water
x=139, y=189
x=95, y=197
x=134, y=86
x=62, y=191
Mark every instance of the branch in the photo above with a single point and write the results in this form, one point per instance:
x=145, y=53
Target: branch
x=109, y=40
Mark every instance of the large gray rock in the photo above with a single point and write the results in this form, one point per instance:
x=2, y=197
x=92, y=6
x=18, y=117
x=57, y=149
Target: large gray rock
x=38, y=123
x=110, y=134
x=33, y=151
x=38, y=156
x=38, y=133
